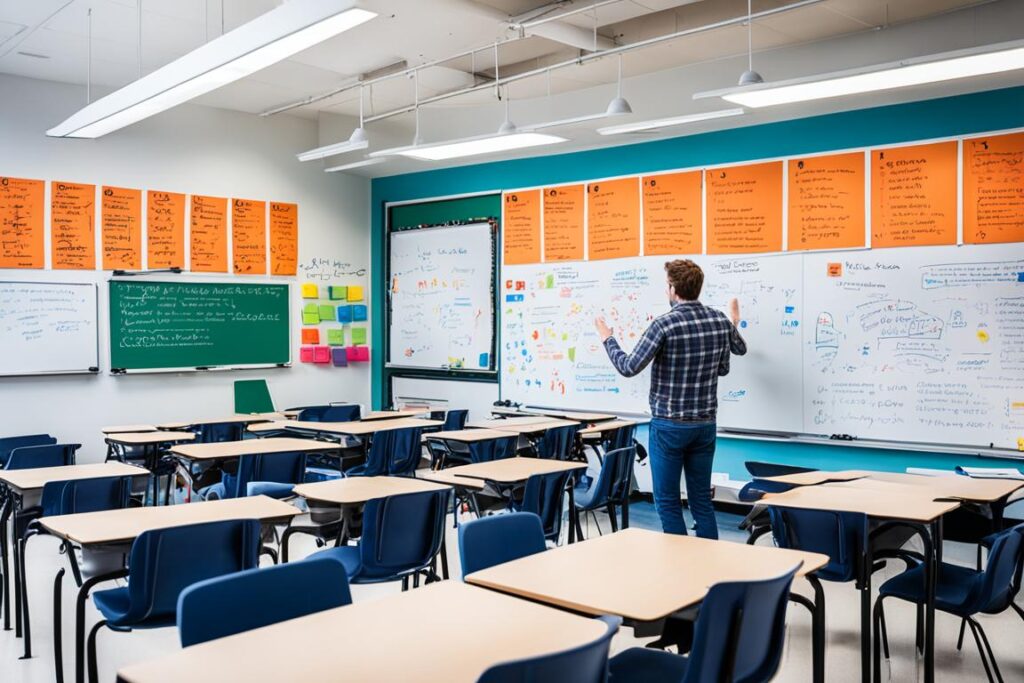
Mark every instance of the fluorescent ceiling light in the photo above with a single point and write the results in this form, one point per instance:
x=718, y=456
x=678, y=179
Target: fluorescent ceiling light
x=357, y=141
x=948, y=66
x=266, y=40
x=637, y=126
x=355, y=164
x=487, y=144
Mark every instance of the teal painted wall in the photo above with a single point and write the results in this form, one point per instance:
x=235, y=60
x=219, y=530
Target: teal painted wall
x=961, y=115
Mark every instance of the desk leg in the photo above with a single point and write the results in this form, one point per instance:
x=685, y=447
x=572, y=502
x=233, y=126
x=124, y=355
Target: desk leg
x=865, y=613
x=83, y=596
x=6, y=598
x=16, y=558
x=572, y=509
x=933, y=555
x=817, y=609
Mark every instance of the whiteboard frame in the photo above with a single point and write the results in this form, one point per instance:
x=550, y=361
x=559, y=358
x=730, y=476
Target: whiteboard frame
x=489, y=375
x=91, y=370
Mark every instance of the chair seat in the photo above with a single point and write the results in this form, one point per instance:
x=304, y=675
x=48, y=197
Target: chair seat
x=114, y=603
x=644, y=665
x=348, y=555
x=213, y=492
x=269, y=488
x=954, y=589
x=584, y=497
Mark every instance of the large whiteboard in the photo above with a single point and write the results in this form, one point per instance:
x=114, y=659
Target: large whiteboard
x=918, y=344
x=48, y=327
x=441, y=298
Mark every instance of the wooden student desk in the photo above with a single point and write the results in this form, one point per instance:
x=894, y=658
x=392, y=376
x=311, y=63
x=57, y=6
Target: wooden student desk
x=358, y=490
x=913, y=507
x=467, y=435
x=124, y=429
x=393, y=414
x=236, y=449
x=244, y=418
x=346, y=643
x=575, y=415
x=523, y=426
x=357, y=428
x=646, y=576
x=119, y=528
x=150, y=443
x=508, y=421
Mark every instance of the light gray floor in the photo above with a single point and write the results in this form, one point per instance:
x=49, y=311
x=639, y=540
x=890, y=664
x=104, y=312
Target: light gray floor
x=1006, y=631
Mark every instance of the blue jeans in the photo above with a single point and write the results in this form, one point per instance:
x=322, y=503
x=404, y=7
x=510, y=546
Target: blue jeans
x=678, y=448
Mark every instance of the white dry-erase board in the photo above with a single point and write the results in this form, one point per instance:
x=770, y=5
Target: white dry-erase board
x=922, y=344
x=48, y=328
x=441, y=298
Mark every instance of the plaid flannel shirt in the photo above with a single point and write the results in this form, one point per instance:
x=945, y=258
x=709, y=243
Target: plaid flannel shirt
x=690, y=347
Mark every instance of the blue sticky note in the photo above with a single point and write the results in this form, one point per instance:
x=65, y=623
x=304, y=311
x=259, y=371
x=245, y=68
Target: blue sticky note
x=358, y=313
x=1020, y=277
x=344, y=314
x=484, y=358
x=789, y=309
x=513, y=298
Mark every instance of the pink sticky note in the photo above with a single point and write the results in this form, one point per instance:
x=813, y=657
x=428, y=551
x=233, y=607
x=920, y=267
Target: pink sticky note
x=306, y=354
x=321, y=354
x=352, y=353
x=363, y=354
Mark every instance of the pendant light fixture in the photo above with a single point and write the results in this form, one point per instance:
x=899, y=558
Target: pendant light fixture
x=750, y=77
x=358, y=140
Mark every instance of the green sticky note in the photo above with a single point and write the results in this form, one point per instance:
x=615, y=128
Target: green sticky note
x=336, y=337
x=572, y=354
x=549, y=281
x=326, y=312
x=337, y=293
x=358, y=335
x=310, y=318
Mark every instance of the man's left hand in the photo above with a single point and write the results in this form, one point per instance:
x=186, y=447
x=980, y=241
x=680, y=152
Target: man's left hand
x=603, y=331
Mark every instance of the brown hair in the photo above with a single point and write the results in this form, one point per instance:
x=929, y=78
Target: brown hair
x=686, y=278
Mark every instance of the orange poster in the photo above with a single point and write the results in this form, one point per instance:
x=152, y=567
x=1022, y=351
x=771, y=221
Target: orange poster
x=21, y=223
x=284, y=238
x=672, y=216
x=613, y=218
x=72, y=226
x=121, y=228
x=563, y=223
x=520, y=227
x=165, y=229
x=994, y=189
x=249, y=236
x=913, y=195
x=744, y=208
x=209, y=234
x=826, y=202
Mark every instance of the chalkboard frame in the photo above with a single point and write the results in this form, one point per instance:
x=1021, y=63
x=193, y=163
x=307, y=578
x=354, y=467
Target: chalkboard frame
x=437, y=209
x=211, y=368
x=92, y=369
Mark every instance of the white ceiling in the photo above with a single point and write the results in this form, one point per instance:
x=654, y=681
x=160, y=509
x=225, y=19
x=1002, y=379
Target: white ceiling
x=48, y=39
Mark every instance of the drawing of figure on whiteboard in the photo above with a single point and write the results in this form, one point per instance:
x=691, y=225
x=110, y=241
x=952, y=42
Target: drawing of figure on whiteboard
x=690, y=348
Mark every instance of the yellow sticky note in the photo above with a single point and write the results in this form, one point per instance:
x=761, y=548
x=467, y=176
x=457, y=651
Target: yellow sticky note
x=982, y=336
x=355, y=293
x=310, y=290
x=1020, y=444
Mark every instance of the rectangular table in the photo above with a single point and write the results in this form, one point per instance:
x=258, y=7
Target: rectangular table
x=359, y=490
x=114, y=429
x=245, y=418
x=151, y=443
x=515, y=425
x=235, y=449
x=394, y=414
x=508, y=421
x=669, y=573
x=357, y=428
x=467, y=435
x=116, y=528
x=346, y=644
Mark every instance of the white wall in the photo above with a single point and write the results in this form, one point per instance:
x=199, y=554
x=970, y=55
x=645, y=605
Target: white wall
x=190, y=149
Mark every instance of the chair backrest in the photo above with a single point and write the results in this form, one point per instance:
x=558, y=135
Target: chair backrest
x=840, y=535
x=616, y=476
x=587, y=663
x=493, y=540
x=492, y=449
x=348, y=412
x=85, y=495
x=9, y=443
x=401, y=534
x=164, y=562
x=544, y=495
x=225, y=605
x=771, y=469
x=49, y=455
x=219, y=432
x=282, y=468
x=253, y=396
x=619, y=438
x=740, y=631
x=1001, y=579
x=558, y=443
x=455, y=419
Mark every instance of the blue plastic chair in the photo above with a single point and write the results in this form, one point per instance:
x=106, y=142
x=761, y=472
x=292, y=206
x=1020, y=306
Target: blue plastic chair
x=493, y=540
x=269, y=474
x=623, y=437
x=738, y=638
x=455, y=420
x=473, y=452
x=394, y=452
x=49, y=455
x=584, y=664
x=225, y=605
x=558, y=443
x=218, y=432
x=610, y=490
x=402, y=537
x=962, y=592
x=544, y=496
x=9, y=443
x=163, y=563
x=68, y=498
x=758, y=521
x=840, y=535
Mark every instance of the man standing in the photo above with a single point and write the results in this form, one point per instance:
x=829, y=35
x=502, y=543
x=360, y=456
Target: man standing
x=690, y=347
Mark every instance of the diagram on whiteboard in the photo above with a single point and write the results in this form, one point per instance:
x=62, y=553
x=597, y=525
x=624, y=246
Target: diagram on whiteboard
x=917, y=345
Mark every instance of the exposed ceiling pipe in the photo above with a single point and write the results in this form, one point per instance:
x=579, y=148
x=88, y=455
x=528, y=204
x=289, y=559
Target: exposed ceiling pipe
x=560, y=32
x=582, y=59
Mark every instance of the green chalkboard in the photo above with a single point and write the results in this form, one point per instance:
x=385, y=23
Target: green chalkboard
x=197, y=324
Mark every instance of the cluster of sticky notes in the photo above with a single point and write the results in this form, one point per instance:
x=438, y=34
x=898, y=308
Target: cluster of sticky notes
x=345, y=308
